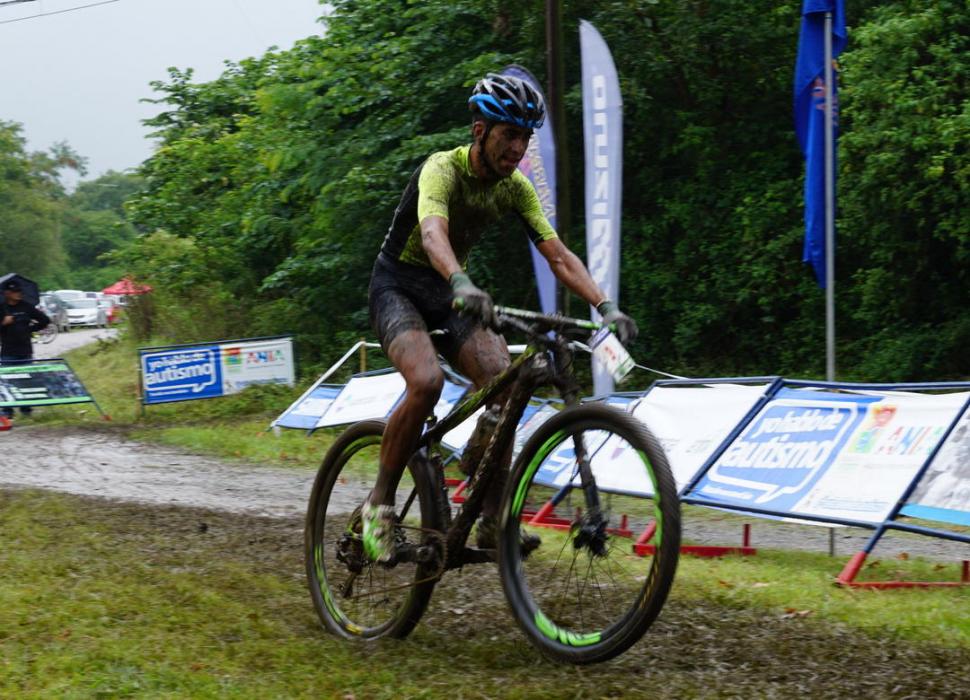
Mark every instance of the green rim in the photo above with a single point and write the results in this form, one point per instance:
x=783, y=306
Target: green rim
x=322, y=577
x=549, y=628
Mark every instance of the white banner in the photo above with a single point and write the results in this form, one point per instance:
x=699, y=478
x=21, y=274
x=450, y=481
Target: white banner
x=844, y=456
x=690, y=422
x=944, y=491
x=364, y=398
x=250, y=362
x=603, y=139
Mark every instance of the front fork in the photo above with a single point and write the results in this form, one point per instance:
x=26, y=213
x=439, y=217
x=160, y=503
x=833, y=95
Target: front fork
x=590, y=530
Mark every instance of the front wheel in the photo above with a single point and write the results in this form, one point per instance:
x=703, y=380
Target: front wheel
x=583, y=595
x=354, y=597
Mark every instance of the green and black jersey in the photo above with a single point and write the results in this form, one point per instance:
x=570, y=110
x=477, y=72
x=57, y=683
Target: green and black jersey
x=445, y=185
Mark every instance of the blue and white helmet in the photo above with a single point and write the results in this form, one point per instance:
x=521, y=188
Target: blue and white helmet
x=505, y=98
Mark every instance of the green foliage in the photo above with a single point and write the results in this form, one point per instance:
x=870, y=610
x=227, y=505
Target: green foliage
x=31, y=202
x=906, y=190
x=280, y=178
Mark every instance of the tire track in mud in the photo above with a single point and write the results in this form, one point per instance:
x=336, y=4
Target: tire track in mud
x=102, y=463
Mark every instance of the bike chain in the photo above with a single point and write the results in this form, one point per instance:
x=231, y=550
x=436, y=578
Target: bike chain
x=435, y=577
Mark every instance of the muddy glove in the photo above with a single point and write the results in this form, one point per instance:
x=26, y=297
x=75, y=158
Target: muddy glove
x=470, y=299
x=624, y=326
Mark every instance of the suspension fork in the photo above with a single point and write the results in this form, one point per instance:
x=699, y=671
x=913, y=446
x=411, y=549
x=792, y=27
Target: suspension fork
x=569, y=389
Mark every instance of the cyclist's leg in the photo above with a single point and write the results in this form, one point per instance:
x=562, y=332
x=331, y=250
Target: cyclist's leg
x=398, y=315
x=414, y=356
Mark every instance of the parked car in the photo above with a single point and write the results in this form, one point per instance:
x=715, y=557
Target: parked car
x=86, y=312
x=68, y=294
x=56, y=310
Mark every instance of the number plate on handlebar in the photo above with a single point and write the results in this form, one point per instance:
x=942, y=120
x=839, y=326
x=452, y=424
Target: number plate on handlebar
x=611, y=354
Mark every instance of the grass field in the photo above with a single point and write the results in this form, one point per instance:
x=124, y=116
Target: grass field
x=103, y=599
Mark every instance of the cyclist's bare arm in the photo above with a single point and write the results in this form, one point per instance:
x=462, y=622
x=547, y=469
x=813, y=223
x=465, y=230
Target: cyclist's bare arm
x=434, y=239
x=569, y=269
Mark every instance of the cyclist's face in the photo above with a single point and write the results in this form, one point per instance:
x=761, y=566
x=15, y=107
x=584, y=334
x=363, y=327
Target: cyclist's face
x=506, y=146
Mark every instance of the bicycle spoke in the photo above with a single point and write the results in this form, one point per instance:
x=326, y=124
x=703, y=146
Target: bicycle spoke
x=594, y=601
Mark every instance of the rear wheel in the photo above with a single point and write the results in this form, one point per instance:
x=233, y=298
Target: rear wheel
x=584, y=596
x=353, y=596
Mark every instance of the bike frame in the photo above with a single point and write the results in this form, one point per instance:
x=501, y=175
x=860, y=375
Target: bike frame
x=528, y=371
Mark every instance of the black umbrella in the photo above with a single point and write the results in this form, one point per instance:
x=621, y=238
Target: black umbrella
x=29, y=288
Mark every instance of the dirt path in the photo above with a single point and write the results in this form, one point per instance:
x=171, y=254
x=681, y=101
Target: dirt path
x=69, y=341
x=103, y=463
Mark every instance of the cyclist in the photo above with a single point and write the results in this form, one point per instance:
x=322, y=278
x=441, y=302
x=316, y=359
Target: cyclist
x=418, y=281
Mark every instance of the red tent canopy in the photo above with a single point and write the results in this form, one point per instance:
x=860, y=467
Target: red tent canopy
x=126, y=286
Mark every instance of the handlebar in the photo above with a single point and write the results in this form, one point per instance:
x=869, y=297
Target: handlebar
x=536, y=325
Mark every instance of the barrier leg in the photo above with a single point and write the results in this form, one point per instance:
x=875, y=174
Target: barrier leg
x=851, y=569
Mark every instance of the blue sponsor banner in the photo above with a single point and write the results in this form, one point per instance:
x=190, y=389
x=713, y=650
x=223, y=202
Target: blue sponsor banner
x=182, y=374
x=210, y=370
x=305, y=413
x=784, y=451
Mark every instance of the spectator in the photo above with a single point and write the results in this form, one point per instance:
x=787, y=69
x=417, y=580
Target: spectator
x=18, y=320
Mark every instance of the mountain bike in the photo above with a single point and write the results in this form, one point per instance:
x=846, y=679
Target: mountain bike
x=581, y=595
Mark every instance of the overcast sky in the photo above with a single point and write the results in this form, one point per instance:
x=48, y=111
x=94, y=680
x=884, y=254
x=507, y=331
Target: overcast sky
x=78, y=76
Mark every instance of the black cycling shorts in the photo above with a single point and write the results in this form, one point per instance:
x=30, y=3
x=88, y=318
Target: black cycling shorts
x=404, y=297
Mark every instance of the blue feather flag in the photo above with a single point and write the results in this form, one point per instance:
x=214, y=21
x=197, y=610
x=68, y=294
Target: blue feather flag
x=811, y=94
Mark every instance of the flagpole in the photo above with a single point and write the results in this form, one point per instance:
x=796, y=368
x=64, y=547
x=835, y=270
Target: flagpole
x=829, y=207
x=829, y=224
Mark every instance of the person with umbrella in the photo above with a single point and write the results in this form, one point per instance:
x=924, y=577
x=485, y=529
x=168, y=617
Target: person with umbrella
x=18, y=319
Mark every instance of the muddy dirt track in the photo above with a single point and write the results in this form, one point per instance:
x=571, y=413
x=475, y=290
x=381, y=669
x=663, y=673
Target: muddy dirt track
x=253, y=514
x=102, y=462
x=696, y=649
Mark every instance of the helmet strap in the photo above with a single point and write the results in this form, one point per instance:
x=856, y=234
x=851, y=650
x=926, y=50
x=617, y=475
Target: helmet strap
x=481, y=150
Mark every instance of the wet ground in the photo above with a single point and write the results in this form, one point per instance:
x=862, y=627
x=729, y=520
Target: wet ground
x=71, y=340
x=698, y=648
x=253, y=514
x=102, y=462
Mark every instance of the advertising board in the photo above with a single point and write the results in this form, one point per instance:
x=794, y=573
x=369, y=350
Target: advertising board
x=188, y=372
x=40, y=383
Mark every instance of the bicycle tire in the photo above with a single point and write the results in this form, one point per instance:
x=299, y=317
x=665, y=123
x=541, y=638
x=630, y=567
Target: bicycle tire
x=551, y=611
x=47, y=334
x=330, y=533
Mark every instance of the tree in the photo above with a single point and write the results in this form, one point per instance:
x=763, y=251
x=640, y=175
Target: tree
x=31, y=201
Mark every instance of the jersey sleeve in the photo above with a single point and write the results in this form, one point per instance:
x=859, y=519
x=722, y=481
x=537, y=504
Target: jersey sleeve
x=530, y=210
x=435, y=185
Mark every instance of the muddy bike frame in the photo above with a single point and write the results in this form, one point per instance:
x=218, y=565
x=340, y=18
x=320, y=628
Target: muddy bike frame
x=546, y=360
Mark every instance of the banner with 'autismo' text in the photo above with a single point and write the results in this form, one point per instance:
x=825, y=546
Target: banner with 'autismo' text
x=204, y=371
x=603, y=137
x=842, y=457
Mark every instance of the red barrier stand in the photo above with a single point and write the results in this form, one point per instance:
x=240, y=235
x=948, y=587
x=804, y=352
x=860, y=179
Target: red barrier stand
x=847, y=577
x=5, y=423
x=644, y=549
